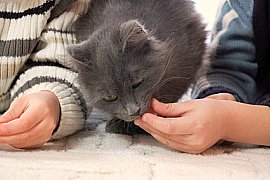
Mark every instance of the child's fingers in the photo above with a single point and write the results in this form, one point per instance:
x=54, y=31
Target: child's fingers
x=9, y=115
x=184, y=139
x=222, y=96
x=168, y=125
x=36, y=135
x=170, y=109
x=25, y=122
x=178, y=142
x=175, y=145
x=35, y=143
x=15, y=110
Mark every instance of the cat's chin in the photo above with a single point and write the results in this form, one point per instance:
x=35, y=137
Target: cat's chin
x=129, y=119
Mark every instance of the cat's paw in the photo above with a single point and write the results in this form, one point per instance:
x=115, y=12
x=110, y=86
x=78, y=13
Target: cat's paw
x=119, y=126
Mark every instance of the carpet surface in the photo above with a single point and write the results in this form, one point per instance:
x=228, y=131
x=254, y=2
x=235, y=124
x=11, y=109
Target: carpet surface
x=95, y=154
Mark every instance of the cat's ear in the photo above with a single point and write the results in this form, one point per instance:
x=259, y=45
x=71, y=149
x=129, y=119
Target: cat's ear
x=133, y=35
x=78, y=51
x=79, y=55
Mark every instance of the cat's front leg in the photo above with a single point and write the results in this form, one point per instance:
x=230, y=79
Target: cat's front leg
x=119, y=126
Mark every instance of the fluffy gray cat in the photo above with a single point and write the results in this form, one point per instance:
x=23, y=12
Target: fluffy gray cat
x=131, y=51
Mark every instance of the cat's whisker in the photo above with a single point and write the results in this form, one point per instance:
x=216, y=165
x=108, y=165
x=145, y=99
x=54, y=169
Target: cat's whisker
x=166, y=66
x=167, y=80
x=147, y=96
x=70, y=61
x=164, y=96
x=117, y=121
x=82, y=63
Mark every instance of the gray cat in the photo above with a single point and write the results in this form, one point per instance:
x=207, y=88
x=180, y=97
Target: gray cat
x=131, y=51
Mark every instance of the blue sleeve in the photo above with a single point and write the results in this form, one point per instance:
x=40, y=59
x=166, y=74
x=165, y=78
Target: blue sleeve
x=232, y=67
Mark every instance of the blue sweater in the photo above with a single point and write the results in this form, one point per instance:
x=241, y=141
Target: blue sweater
x=234, y=67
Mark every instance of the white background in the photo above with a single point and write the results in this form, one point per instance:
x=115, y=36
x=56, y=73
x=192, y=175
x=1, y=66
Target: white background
x=208, y=9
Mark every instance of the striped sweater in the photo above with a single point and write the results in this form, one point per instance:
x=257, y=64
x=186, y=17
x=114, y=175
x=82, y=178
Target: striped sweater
x=33, y=36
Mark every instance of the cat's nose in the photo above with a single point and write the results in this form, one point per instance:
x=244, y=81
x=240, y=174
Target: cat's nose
x=133, y=110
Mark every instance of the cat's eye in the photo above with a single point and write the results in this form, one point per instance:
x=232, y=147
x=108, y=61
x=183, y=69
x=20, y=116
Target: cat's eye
x=110, y=98
x=137, y=84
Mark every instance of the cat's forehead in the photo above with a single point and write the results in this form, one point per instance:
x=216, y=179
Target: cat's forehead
x=108, y=36
x=108, y=50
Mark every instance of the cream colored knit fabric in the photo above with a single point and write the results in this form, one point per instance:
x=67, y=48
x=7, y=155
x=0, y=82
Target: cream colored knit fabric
x=33, y=37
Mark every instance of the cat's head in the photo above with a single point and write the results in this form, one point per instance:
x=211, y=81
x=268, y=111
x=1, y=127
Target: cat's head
x=118, y=68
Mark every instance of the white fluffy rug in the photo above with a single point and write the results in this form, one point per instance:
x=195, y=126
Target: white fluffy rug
x=94, y=154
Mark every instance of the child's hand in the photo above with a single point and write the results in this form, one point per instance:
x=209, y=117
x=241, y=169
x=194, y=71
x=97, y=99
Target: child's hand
x=30, y=120
x=222, y=96
x=192, y=126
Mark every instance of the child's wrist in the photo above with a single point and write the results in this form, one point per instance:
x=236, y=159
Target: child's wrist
x=228, y=119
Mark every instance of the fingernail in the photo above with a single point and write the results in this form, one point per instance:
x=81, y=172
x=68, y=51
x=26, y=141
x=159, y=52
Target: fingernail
x=136, y=122
x=154, y=101
x=2, y=118
x=144, y=118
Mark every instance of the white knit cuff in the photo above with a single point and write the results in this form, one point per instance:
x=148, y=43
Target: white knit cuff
x=63, y=84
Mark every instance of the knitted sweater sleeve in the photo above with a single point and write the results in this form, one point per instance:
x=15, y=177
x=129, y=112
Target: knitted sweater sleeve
x=233, y=66
x=45, y=67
